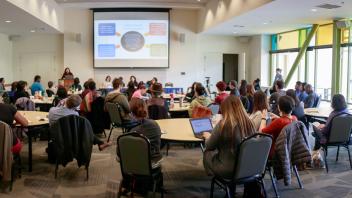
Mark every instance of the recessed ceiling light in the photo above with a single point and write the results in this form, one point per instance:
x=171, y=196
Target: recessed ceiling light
x=8, y=21
x=32, y=31
x=265, y=23
x=235, y=32
x=313, y=10
x=198, y=0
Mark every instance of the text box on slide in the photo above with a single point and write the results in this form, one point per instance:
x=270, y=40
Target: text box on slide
x=106, y=29
x=157, y=29
x=106, y=50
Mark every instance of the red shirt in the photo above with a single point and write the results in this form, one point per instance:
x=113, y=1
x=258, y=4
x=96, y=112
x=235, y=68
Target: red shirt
x=275, y=127
x=221, y=97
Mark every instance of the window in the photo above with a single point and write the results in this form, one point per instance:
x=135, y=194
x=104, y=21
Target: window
x=285, y=61
x=311, y=67
x=288, y=40
x=344, y=71
x=324, y=73
x=324, y=35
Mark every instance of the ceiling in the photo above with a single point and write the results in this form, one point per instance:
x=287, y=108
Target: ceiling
x=21, y=21
x=283, y=15
x=193, y=4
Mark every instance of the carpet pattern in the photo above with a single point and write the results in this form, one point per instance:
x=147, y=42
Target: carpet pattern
x=184, y=176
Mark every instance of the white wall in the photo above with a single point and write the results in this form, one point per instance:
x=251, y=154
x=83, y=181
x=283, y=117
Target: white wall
x=37, y=54
x=6, y=58
x=185, y=57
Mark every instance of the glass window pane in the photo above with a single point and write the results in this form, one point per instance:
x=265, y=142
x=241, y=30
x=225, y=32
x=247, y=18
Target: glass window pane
x=345, y=35
x=324, y=73
x=288, y=40
x=285, y=62
x=324, y=35
x=344, y=64
x=274, y=42
x=350, y=76
x=311, y=67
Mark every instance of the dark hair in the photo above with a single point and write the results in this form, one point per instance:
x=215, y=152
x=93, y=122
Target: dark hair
x=2, y=80
x=141, y=85
x=116, y=83
x=308, y=87
x=135, y=79
x=85, y=85
x=303, y=86
x=233, y=83
x=50, y=84
x=130, y=85
x=221, y=85
x=260, y=101
x=292, y=94
x=138, y=108
x=286, y=104
x=280, y=84
x=278, y=69
x=37, y=78
x=76, y=81
x=91, y=85
x=73, y=101
x=338, y=102
x=14, y=86
x=61, y=92
x=257, y=80
x=20, y=85
x=200, y=90
x=107, y=77
x=243, y=88
x=299, y=83
x=250, y=90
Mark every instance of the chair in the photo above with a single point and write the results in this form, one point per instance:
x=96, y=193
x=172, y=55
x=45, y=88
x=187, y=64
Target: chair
x=114, y=111
x=12, y=163
x=317, y=101
x=157, y=112
x=201, y=112
x=251, y=159
x=135, y=161
x=214, y=108
x=340, y=132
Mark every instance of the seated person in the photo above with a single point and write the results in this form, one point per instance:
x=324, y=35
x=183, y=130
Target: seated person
x=322, y=131
x=221, y=145
x=12, y=92
x=141, y=92
x=310, y=99
x=233, y=88
x=130, y=90
x=60, y=97
x=279, y=85
x=286, y=105
x=190, y=92
x=9, y=114
x=260, y=103
x=146, y=127
x=70, y=108
x=250, y=95
x=298, y=109
x=303, y=94
x=21, y=90
x=221, y=86
x=76, y=85
x=117, y=97
x=2, y=84
x=273, y=103
x=156, y=92
x=200, y=100
x=90, y=96
x=37, y=86
x=50, y=91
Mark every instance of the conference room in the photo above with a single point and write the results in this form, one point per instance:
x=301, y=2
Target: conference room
x=175, y=98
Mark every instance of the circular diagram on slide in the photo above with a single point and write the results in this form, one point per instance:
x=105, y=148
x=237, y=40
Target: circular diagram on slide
x=132, y=41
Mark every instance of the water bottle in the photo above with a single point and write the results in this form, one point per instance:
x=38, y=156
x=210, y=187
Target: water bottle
x=172, y=102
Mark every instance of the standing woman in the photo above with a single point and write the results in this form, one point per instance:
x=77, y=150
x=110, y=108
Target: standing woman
x=67, y=75
x=219, y=156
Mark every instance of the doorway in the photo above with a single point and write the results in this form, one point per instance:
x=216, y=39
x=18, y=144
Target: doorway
x=230, y=67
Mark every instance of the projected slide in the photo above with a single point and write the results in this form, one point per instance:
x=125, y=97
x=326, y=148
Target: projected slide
x=131, y=40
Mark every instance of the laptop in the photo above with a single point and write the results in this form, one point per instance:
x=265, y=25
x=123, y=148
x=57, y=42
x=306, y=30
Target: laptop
x=200, y=125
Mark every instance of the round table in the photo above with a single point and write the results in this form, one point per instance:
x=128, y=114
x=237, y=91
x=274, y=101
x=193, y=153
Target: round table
x=177, y=130
x=44, y=104
x=185, y=107
x=167, y=96
x=35, y=119
x=322, y=112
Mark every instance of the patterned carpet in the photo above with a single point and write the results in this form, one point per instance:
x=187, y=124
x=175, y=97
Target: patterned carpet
x=184, y=176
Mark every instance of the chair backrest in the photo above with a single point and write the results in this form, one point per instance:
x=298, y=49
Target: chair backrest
x=25, y=104
x=157, y=112
x=134, y=153
x=340, y=130
x=6, y=139
x=317, y=100
x=201, y=112
x=114, y=110
x=252, y=156
x=214, y=108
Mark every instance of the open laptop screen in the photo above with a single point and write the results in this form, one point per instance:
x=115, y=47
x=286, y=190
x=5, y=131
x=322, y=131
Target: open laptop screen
x=200, y=125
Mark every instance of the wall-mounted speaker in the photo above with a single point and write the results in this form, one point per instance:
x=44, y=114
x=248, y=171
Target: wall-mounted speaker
x=182, y=37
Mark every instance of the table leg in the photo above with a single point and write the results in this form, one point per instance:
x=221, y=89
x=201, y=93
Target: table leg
x=202, y=147
x=29, y=135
